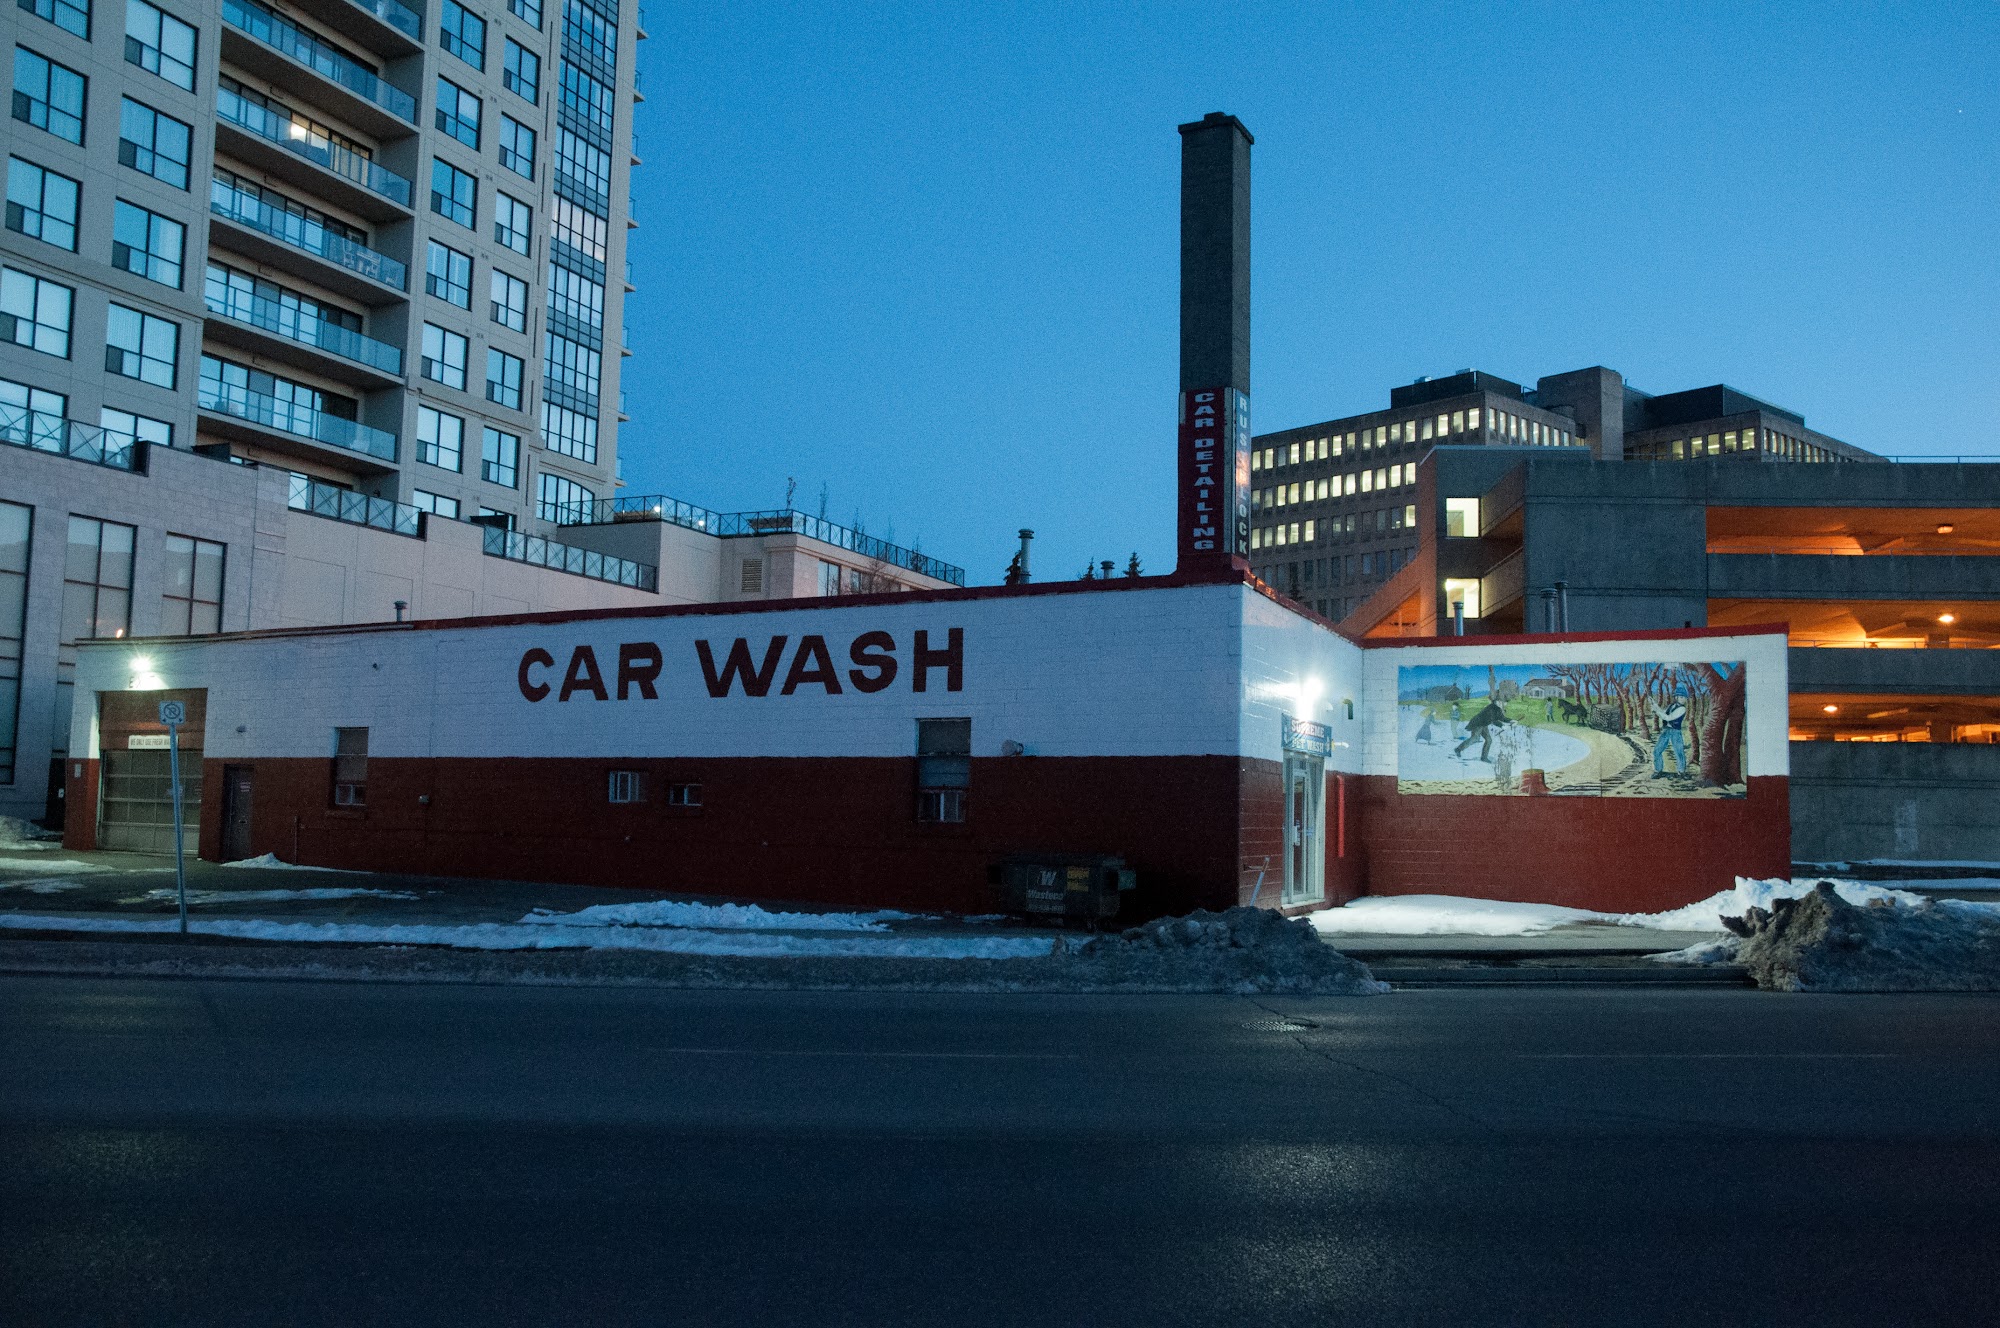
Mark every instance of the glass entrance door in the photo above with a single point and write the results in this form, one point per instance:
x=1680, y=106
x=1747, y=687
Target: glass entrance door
x=1305, y=829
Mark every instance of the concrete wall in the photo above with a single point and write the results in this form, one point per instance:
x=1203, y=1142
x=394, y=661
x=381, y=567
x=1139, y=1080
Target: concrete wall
x=1916, y=800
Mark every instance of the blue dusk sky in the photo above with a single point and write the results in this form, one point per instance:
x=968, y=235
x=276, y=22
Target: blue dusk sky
x=926, y=256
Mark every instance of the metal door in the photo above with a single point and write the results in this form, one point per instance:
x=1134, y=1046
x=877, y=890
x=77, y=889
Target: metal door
x=238, y=782
x=1305, y=829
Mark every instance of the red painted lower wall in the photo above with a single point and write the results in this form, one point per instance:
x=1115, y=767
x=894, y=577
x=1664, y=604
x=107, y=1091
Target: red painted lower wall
x=1636, y=855
x=835, y=831
x=80, y=803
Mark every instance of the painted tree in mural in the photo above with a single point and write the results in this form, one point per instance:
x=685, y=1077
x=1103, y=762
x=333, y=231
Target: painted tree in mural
x=1722, y=728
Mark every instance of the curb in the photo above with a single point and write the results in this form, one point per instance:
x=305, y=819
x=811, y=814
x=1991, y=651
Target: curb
x=1653, y=975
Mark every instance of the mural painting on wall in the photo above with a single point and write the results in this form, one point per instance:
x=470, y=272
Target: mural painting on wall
x=1646, y=730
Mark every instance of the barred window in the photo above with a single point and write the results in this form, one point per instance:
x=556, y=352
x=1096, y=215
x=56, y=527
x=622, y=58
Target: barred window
x=448, y=274
x=159, y=43
x=35, y=312
x=191, y=587
x=462, y=33
x=154, y=144
x=48, y=95
x=147, y=244
x=517, y=147
x=138, y=345
x=510, y=301
x=569, y=432
x=42, y=204
x=499, y=456
x=458, y=113
x=440, y=438
x=522, y=72
x=444, y=357
x=454, y=194
x=561, y=498
x=503, y=378
x=513, y=222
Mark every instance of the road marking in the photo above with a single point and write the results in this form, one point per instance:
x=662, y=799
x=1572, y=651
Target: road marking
x=1706, y=1055
x=888, y=1055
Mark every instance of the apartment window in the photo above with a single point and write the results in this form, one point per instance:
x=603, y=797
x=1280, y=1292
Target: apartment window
x=16, y=529
x=499, y=456
x=97, y=580
x=138, y=345
x=350, y=767
x=448, y=274
x=576, y=298
x=458, y=113
x=504, y=520
x=579, y=229
x=569, y=432
x=1410, y=516
x=66, y=14
x=153, y=144
x=41, y=204
x=454, y=194
x=139, y=428
x=48, y=95
x=35, y=313
x=587, y=166
x=463, y=34
x=434, y=503
x=586, y=99
x=944, y=768
x=159, y=43
x=510, y=301
x=513, y=222
x=560, y=498
x=829, y=579
x=627, y=786
x=503, y=378
x=440, y=438
x=146, y=244
x=191, y=593
x=517, y=147
x=575, y=372
x=528, y=11
x=683, y=795
x=32, y=416
x=1464, y=592
x=444, y=357
x=522, y=72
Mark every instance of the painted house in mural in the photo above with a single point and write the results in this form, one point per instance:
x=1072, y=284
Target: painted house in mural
x=890, y=750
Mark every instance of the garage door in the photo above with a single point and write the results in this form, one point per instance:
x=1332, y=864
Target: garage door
x=136, y=805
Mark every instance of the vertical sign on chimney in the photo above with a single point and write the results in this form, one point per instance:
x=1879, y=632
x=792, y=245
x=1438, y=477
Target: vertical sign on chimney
x=1214, y=461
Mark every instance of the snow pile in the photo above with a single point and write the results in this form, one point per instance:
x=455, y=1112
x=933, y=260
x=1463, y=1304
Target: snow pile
x=169, y=895
x=713, y=917
x=1708, y=914
x=271, y=862
x=1446, y=915
x=1241, y=950
x=17, y=836
x=1824, y=942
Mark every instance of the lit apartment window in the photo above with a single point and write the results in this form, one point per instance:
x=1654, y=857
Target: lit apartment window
x=522, y=72
x=440, y=438
x=434, y=503
x=1257, y=460
x=1462, y=591
x=1410, y=516
x=159, y=43
x=458, y=113
x=350, y=768
x=48, y=95
x=97, y=580
x=448, y=274
x=944, y=768
x=513, y=222
x=1367, y=481
x=1458, y=421
x=517, y=147
x=41, y=204
x=503, y=378
x=154, y=144
x=444, y=356
x=463, y=34
x=499, y=456
x=191, y=593
x=147, y=244
x=454, y=194
x=138, y=345
x=35, y=313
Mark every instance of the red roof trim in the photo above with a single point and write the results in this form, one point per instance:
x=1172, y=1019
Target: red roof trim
x=1542, y=638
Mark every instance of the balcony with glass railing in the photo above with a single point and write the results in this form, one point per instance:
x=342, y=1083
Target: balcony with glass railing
x=289, y=40
x=357, y=509
x=240, y=306
x=398, y=16
x=295, y=418
x=307, y=236
x=539, y=552
x=294, y=137
x=40, y=431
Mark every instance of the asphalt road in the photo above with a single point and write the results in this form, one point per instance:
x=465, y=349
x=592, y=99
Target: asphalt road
x=320, y=1153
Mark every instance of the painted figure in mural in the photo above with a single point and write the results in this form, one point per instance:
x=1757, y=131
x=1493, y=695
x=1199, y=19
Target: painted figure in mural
x=1427, y=733
x=1457, y=717
x=1671, y=720
x=1549, y=709
x=1480, y=729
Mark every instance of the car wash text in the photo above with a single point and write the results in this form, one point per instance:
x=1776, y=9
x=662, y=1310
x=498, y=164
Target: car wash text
x=870, y=663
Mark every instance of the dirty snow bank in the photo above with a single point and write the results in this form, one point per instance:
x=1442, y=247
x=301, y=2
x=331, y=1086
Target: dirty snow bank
x=712, y=917
x=271, y=862
x=1825, y=940
x=1708, y=914
x=1242, y=950
x=17, y=836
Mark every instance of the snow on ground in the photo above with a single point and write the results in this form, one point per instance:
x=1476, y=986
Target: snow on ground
x=17, y=836
x=68, y=866
x=1240, y=949
x=1969, y=864
x=713, y=917
x=42, y=886
x=270, y=862
x=1445, y=915
x=1707, y=914
x=169, y=895
x=543, y=936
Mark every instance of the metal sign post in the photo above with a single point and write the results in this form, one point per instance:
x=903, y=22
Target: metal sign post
x=173, y=714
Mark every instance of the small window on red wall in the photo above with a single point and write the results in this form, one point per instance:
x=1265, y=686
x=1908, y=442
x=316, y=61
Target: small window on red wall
x=627, y=786
x=350, y=767
x=944, y=768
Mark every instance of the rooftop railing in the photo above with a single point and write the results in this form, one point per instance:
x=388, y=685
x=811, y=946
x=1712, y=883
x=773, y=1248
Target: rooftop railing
x=246, y=209
x=241, y=306
x=43, y=432
x=657, y=507
x=294, y=137
x=400, y=17
x=316, y=55
x=357, y=509
x=539, y=552
x=295, y=418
